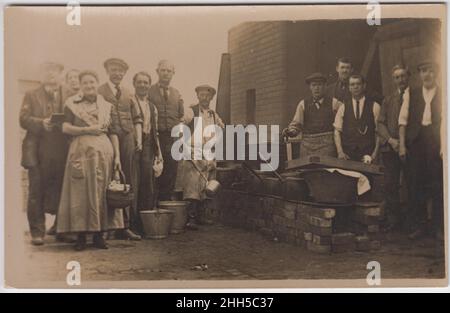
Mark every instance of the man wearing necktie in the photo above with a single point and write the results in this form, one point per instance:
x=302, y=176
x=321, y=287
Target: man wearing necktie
x=388, y=131
x=421, y=135
x=44, y=149
x=169, y=105
x=126, y=117
x=355, y=124
x=340, y=88
x=314, y=118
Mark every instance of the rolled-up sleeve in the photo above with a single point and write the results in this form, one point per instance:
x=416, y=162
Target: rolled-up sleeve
x=298, y=120
x=404, y=111
x=136, y=112
x=339, y=118
x=336, y=104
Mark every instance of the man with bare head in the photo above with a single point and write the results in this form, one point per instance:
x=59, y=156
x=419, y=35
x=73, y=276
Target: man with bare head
x=169, y=104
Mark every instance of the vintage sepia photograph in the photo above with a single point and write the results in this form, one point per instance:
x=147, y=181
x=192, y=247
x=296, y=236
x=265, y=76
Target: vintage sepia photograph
x=226, y=146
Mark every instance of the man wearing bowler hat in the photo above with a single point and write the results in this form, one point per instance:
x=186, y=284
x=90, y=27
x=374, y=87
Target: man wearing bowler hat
x=421, y=136
x=44, y=149
x=126, y=117
x=314, y=119
x=195, y=171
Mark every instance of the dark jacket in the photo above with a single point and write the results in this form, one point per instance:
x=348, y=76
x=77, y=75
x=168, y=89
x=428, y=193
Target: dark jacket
x=39, y=144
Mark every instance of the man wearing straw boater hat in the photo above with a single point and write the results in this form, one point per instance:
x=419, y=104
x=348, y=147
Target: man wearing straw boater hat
x=44, y=149
x=126, y=117
x=421, y=136
x=314, y=118
x=197, y=172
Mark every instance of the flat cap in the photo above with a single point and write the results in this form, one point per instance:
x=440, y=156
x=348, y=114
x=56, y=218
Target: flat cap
x=316, y=77
x=211, y=90
x=426, y=63
x=52, y=65
x=117, y=61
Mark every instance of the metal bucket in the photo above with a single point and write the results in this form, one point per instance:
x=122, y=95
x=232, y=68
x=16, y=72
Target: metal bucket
x=156, y=223
x=180, y=214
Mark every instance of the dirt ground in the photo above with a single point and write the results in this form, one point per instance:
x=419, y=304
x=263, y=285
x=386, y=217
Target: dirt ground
x=230, y=254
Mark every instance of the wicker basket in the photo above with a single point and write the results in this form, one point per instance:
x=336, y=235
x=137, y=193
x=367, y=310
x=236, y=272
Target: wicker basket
x=118, y=199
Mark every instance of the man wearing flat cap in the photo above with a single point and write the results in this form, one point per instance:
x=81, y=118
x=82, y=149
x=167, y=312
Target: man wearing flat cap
x=314, y=118
x=44, y=149
x=125, y=119
x=195, y=171
x=169, y=103
x=421, y=135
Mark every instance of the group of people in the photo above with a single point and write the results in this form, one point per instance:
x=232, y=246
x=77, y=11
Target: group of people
x=343, y=120
x=81, y=135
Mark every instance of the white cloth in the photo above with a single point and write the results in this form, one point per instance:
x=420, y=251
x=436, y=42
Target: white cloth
x=363, y=182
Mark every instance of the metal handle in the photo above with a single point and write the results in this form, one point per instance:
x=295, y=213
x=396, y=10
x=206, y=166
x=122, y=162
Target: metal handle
x=271, y=167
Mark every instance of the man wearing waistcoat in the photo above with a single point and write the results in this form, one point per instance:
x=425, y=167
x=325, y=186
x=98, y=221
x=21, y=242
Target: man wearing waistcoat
x=44, y=149
x=355, y=124
x=388, y=131
x=170, y=108
x=314, y=119
x=340, y=88
x=421, y=135
x=125, y=118
x=147, y=142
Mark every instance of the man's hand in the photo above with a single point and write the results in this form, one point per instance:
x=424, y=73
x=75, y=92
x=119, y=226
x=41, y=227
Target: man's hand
x=95, y=130
x=139, y=146
x=48, y=126
x=343, y=156
x=117, y=167
x=289, y=132
x=402, y=152
x=395, y=144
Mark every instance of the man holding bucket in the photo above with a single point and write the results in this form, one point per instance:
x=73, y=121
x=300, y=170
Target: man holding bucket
x=197, y=173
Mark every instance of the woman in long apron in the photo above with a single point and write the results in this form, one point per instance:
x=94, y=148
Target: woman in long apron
x=93, y=154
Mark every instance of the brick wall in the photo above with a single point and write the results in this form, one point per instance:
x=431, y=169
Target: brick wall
x=258, y=61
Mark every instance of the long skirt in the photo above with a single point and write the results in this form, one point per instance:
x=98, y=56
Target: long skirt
x=83, y=205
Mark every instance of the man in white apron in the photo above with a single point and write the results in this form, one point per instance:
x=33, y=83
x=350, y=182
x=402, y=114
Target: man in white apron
x=197, y=172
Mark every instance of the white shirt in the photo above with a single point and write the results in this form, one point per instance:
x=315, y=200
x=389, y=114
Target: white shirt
x=146, y=115
x=298, y=119
x=339, y=119
x=428, y=95
x=113, y=88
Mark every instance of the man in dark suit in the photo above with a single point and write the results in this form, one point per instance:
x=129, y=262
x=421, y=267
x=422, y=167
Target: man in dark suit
x=44, y=149
x=170, y=108
x=389, y=144
x=421, y=133
x=125, y=118
x=339, y=89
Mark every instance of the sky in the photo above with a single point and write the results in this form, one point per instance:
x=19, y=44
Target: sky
x=141, y=36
